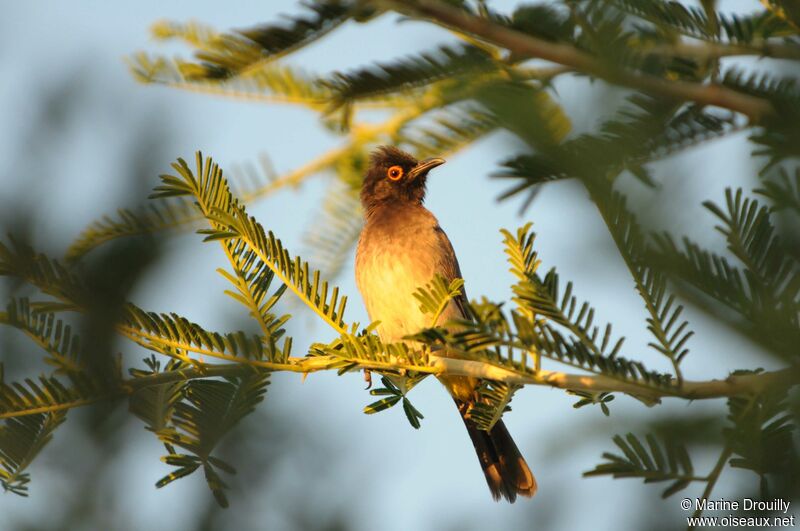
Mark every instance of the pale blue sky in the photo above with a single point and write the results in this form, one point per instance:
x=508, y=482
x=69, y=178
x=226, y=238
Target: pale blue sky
x=434, y=478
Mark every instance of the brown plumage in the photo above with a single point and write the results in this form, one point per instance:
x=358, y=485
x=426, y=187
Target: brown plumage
x=401, y=248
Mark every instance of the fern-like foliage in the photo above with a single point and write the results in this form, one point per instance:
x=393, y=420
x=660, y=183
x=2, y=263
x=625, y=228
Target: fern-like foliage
x=709, y=272
x=587, y=397
x=541, y=298
x=19, y=260
x=694, y=22
x=269, y=82
x=546, y=300
x=222, y=55
x=658, y=461
x=49, y=394
x=780, y=141
x=242, y=234
x=249, y=182
x=252, y=280
x=717, y=278
x=46, y=394
x=771, y=272
x=516, y=104
x=194, y=416
x=452, y=129
x=153, y=218
x=392, y=395
x=435, y=296
x=664, y=314
x=155, y=404
x=171, y=334
x=333, y=233
x=551, y=343
x=52, y=334
x=760, y=434
x=783, y=190
x=493, y=399
x=496, y=340
x=21, y=440
x=771, y=275
x=405, y=74
x=783, y=89
x=252, y=277
x=365, y=347
x=643, y=133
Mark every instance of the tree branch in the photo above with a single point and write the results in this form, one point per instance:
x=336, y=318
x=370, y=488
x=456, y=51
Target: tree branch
x=526, y=45
x=733, y=385
x=714, y=50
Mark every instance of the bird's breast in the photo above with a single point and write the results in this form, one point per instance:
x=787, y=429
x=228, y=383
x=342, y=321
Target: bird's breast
x=389, y=269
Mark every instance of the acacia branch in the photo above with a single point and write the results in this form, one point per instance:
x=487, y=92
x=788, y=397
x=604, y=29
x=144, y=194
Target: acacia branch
x=714, y=50
x=64, y=406
x=733, y=385
x=526, y=45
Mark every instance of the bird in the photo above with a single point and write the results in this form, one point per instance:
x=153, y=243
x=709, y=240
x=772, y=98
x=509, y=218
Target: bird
x=401, y=248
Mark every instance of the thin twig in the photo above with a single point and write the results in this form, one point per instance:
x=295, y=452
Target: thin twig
x=721, y=462
x=713, y=477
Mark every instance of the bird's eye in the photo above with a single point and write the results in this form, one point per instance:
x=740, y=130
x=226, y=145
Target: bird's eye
x=394, y=173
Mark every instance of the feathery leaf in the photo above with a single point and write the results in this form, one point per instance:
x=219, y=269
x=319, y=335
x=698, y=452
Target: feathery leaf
x=244, y=237
x=411, y=72
x=222, y=55
x=21, y=440
x=659, y=461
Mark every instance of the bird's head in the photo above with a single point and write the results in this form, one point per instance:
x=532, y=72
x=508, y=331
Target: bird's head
x=395, y=177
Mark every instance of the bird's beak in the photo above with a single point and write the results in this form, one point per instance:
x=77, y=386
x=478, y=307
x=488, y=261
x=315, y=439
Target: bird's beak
x=424, y=166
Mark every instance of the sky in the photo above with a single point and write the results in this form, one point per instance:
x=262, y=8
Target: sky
x=377, y=467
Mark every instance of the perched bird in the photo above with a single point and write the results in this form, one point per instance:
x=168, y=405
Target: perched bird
x=401, y=248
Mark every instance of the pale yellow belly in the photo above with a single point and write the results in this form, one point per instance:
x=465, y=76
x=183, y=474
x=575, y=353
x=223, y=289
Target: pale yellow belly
x=387, y=282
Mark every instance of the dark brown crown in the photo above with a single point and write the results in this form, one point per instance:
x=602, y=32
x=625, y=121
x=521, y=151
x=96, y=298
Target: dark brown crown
x=385, y=156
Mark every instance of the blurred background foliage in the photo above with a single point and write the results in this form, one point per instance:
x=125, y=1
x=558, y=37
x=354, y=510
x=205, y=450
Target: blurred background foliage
x=626, y=117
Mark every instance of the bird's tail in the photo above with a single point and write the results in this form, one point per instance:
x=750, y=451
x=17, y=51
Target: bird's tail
x=506, y=471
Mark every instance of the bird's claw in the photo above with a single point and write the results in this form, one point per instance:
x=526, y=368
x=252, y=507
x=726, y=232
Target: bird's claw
x=368, y=378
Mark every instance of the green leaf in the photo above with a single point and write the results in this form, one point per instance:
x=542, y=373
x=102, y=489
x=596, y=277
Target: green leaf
x=55, y=336
x=224, y=55
x=588, y=397
x=47, y=393
x=435, y=296
x=195, y=416
x=412, y=414
x=411, y=72
x=760, y=433
x=382, y=404
x=254, y=252
x=393, y=396
x=492, y=400
x=541, y=298
x=21, y=440
x=171, y=333
x=648, y=463
x=783, y=190
x=516, y=105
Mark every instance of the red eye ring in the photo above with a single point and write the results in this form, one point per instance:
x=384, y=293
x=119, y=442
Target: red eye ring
x=395, y=173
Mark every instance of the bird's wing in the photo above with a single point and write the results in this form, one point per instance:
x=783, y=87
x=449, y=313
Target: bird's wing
x=448, y=267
